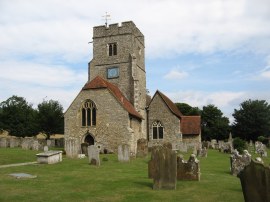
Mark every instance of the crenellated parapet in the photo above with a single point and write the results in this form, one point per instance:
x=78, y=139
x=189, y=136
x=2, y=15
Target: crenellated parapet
x=116, y=29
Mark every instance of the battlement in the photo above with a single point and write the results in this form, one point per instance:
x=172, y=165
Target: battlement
x=115, y=29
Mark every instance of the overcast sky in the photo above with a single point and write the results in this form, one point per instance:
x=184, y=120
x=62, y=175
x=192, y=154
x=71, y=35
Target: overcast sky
x=197, y=52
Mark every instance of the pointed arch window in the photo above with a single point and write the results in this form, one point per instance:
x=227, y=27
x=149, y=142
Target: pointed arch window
x=88, y=113
x=157, y=130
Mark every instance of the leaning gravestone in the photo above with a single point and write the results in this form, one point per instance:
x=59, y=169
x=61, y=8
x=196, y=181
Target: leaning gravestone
x=142, y=148
x=162, y=168
x=93, y=155
x=189, y=170
x=123, y=153
x=255, y=181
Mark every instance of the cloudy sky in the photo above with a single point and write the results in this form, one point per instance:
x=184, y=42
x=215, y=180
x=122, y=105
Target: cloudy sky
x=197, y=52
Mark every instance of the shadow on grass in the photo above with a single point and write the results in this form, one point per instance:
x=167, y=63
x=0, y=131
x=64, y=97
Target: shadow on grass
x=146, y=184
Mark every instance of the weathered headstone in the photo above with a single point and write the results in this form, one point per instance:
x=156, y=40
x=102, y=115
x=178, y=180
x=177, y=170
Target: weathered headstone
x=142, y=148
x=72, y=147
x=35, y=145
x=123, y=153
x=46, y=148
x=93, y=155
x=27, y=143
x=214, y=144
x=238, y=162
x=202, y=152
x=3, y=142
x=162, y=168
x=189, y=170
x=255, y=182
x=84, y=147
x=14, y=142
x=260, y=148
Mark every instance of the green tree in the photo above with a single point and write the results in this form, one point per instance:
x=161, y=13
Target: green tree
x=214, y=124
x=18, y=117
x=252, y=120
x=50, y=117
x=188, y=110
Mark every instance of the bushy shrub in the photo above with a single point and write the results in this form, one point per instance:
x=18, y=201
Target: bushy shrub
x=239, y=144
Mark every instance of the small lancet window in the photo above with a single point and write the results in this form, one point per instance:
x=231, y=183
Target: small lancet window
x=112, y=49
x=157, y=130
x=88, y=113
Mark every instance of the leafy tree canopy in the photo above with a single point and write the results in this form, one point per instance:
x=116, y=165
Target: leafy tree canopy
x=188, y=110
x=18, y=117
x=50, y=117
x=252, y=120
x=214, y=124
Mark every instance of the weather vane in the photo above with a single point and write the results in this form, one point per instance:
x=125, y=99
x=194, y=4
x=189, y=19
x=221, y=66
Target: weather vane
x=106, y=18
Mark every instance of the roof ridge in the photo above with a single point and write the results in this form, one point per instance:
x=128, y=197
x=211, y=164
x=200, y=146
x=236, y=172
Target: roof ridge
x=98, y=83
x=170, y=104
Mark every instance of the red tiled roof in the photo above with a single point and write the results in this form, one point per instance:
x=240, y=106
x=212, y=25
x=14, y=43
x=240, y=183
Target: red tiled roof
x=99, y=82
x=169, y=104
x=190, y=125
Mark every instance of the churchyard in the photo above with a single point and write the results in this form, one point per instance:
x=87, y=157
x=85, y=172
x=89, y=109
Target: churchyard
x=76, y=180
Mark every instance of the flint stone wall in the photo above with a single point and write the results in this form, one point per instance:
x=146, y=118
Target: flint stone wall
x=110, y=131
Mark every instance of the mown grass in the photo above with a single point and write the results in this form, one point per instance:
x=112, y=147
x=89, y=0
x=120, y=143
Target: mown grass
x=76, y=180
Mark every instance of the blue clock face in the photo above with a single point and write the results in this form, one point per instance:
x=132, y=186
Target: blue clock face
x=113, y=72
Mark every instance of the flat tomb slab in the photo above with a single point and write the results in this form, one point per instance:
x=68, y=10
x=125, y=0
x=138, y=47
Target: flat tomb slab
x=49, y=157
x=22, y=175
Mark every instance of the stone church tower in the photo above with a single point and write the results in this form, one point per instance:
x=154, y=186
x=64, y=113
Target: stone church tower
x=118, y=57
x=110, y=109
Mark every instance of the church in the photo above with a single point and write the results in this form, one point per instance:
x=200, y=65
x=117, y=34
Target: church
x=113, y=107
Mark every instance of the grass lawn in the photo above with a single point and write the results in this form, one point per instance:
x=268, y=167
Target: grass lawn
x=76, y=180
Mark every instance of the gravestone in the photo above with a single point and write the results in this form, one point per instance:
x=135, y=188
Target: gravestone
x=93, y=155
x=51, y=143
x=255, y=182
x=14, y=142
x=72, y=147
x=46, y=148
x=214, y=144
x=142, y=148
x=260, y=148
x=189, y=170
x=162, y=168
x=35, y=145
x=84, y=147
x=238, y=162
x=3, y=142
x=123, y=153
x=202, y=152
x=27, y=143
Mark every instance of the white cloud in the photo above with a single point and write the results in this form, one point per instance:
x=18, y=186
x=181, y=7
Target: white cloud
x=176, y=74
x=40, y=74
